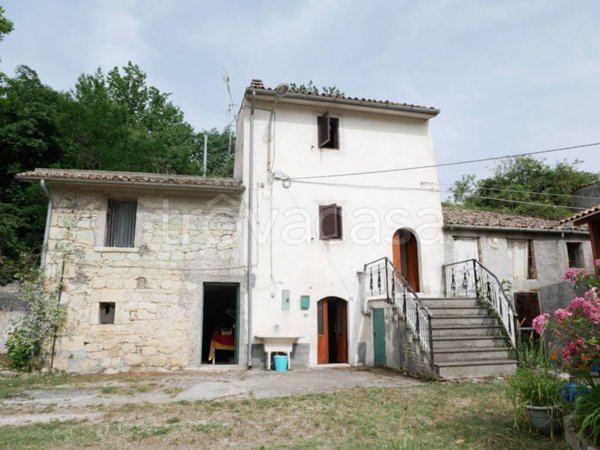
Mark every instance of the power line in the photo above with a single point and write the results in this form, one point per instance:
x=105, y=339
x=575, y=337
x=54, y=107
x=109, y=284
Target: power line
x=530, y=192
x=456, y=163
x=402, y=188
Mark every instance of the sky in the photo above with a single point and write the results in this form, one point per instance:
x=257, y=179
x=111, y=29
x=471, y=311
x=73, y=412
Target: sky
x=509, y=76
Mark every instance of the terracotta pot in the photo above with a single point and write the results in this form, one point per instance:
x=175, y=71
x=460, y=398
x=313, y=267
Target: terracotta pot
x=545, y=419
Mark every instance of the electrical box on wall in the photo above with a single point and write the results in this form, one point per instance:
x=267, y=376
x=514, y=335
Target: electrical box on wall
x=285, y=300
x=304, y=301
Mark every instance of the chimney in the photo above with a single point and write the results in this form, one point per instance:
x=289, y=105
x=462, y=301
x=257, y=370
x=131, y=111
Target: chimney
x=257, y=84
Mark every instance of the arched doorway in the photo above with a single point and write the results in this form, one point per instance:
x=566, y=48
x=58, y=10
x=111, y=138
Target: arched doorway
x=406, y=257
x=332, y=331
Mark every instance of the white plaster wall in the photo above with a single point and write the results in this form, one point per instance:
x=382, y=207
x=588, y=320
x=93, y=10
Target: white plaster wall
x=182, y=241
x=288, y=251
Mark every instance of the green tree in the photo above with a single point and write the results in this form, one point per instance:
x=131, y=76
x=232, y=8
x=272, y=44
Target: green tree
x=311, y=88
x=28, y=139
x=6, y=26
x=116, y=121
x=519, y=182
x=221, y=145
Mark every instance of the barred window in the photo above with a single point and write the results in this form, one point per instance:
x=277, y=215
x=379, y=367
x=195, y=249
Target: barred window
x=120, y=223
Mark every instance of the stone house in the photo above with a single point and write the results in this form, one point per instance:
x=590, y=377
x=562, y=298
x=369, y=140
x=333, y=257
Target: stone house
x=137, y=253
x=327, y=244
x=530, y=254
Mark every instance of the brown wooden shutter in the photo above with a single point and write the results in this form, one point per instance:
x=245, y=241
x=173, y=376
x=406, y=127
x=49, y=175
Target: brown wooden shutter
x=329, y=221
x=324, y=130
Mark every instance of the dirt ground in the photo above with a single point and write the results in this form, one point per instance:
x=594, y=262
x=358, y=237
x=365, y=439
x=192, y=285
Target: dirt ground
x=81, y=399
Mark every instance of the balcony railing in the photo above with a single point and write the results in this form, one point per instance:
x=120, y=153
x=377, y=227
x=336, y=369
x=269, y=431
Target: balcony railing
x=470, y=278
x=383, y=281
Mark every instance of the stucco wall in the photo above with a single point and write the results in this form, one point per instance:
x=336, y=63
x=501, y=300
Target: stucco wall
x=182, y=240
x=551, y=260
x=289, y=254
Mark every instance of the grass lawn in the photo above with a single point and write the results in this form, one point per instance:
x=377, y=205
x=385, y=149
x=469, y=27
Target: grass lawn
x=431, y=416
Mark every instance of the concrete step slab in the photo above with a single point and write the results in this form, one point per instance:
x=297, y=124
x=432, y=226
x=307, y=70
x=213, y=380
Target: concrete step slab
x=462, y=302
x=488, y=368
x=466, y=331
x=453, y=311
x=469, y=355
x=468, y=342
x=476, y=320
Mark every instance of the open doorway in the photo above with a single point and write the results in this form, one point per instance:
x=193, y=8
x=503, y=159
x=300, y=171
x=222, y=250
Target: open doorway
x=406, y=257
x=332, y=331
x=220, y=323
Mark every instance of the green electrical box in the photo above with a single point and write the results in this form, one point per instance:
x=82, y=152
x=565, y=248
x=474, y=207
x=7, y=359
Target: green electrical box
x=285, y=300
x=304, y=301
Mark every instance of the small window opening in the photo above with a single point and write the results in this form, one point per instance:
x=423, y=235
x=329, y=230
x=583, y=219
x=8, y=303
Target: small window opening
x=575, y=253
x=120, y=223
x=107, y=313
x=330, y=222
x=328, y=131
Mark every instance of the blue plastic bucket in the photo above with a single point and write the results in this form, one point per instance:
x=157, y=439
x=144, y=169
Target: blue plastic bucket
x=571, y=391
x=281, y=363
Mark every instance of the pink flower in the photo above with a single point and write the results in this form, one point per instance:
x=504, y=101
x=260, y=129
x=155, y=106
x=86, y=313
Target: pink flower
x=570, y=274
x=561, y=314
x=539, y=323
x=597, y=263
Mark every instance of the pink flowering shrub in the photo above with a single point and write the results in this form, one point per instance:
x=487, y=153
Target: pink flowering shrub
x=577, y=331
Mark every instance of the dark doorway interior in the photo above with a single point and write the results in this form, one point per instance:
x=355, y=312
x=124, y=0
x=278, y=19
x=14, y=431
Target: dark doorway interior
x=219, y=321
x=528, y=308
x=332, y=331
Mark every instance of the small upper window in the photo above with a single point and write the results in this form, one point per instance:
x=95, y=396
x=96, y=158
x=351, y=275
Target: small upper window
x=521, y=258
x=329, y=136
x=120, y=223
x=575, y=252
x=106, y=313
x=330, y=221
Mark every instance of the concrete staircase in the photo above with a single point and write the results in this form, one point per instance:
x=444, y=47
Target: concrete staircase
x=467, y=340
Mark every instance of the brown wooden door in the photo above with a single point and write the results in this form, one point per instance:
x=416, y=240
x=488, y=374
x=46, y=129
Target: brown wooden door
x=405, y=254
x=322, y=332
x=342, y=332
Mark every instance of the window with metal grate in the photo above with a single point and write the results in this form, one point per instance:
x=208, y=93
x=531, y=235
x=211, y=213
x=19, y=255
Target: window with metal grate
x=120, y=223
x=330, y=221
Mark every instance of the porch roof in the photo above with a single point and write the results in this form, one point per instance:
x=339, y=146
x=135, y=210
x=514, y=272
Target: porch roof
x=136, y=179
x=584, y=216
x=461, y=217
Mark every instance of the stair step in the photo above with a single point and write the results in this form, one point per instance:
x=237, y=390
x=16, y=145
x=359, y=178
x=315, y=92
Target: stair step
x=467, y=342
x=466, y=331
x=472, y=354
x=474, y=320
x=447, y=311
x=475, y=369
x=460, y=302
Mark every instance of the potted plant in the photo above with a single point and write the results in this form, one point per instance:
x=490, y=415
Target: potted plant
x=537, y=397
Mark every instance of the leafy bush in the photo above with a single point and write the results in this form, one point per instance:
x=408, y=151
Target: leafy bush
x=28, y=343
x=21, y=352
x=586, y=415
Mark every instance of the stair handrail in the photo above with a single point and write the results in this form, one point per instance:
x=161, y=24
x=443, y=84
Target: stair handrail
x=385, y=281
x=478, y=280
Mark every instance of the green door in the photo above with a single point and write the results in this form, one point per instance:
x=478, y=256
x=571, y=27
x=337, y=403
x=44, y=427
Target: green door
x=379, y=336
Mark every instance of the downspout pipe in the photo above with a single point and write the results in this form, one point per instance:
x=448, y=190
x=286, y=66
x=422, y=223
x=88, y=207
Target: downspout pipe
x=250, y=216
x=48, y=220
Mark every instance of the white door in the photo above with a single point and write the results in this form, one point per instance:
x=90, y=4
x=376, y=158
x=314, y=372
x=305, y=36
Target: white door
x=466, y=248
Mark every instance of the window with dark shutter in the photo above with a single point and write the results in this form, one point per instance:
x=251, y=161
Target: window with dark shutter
x=328, y=131
x=330, y=221
x=120, y=223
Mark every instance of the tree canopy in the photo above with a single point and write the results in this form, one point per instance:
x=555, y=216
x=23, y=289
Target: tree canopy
x=524, y=185
x=107, y=121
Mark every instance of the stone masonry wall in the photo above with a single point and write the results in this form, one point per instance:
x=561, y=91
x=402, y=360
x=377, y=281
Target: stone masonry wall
x=182, y=240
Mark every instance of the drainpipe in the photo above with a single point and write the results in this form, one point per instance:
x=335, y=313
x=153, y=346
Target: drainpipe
x=250, y=208
x=48, y=219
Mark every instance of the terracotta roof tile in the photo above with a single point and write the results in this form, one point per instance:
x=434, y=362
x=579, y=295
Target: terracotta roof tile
x=476, y=218
x=582, y=214
x=257, y=84
x=132, y=178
